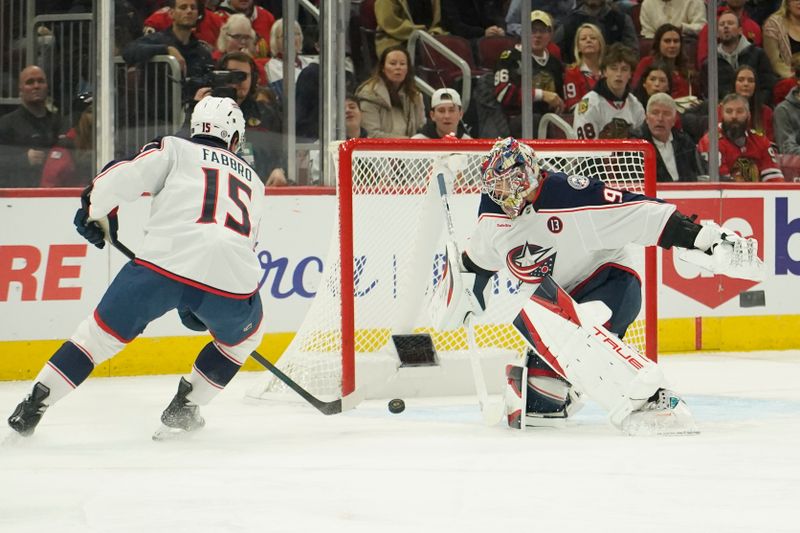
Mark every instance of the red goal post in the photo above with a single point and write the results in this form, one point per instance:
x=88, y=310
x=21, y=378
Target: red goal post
x=387, y=248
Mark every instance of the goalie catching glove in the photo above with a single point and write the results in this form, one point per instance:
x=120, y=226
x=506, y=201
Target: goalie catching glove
x=453, y=298
x=721, y=251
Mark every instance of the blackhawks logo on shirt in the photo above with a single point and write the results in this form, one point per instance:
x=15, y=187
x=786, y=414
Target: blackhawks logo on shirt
x=583, y=106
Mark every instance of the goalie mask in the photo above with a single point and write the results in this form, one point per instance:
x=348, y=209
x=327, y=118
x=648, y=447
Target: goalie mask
x=509, y=174
x=220, y=118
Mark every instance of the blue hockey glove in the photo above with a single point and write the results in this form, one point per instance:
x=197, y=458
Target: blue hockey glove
x=95, y=231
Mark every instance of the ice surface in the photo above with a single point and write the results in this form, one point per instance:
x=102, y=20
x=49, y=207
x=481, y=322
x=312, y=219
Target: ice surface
x=92, y=467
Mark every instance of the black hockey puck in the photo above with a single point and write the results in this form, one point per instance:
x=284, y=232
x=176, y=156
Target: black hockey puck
x=397, y=406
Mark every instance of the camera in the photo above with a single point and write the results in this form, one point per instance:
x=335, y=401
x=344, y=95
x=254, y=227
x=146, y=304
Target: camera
x=218, y=80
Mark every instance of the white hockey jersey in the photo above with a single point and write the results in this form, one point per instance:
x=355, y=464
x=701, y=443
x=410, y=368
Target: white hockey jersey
x=204, y=220
x=597, y=117
x=575, y=226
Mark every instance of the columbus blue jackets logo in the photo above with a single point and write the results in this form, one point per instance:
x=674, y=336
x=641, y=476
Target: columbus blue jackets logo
x=530, y=263
x=578, y=182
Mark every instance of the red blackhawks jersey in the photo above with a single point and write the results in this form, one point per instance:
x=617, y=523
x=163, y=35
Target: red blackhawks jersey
x=575, y=227
x=204, y=219
x=756, y=161
x=578, y=80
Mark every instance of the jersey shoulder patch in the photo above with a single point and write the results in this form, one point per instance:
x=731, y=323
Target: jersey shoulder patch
x=559, y=192
x=583, y=106
x=578, y=182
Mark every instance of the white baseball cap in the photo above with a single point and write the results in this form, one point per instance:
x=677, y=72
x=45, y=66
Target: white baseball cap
x=445, y=96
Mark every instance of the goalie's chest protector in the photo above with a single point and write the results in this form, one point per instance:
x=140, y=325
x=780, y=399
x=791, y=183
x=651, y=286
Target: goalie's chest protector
x=573, y=227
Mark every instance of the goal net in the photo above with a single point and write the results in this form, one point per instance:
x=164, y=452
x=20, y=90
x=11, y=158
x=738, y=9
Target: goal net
x=387, y=251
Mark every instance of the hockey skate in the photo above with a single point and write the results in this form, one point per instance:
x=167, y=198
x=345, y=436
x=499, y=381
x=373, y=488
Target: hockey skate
x=181, y=416
x=665, y=413
x=29, y=412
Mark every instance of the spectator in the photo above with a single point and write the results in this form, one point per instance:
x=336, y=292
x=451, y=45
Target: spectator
x=308, y=163
x=307, y=99
x=668, y=52
x=473, y=19
x=262, y=147
x=275, y=64
x=760, y=10
x=610, y=111
x=750, y=28
x=391, y=105
x=177, y=41
x=397, y=19
x=784, y=85
x=261, y=19
x=28, y=132
x=787, y=123
x=581, y=76
x=557, y=9
x=654, y=80
x=207, y=29
x=352, y=118
x=547, y=76
x=778, y=41
x=71, y=162
x=744, y=155
x=676, y=156
x=238, y=35
x=734, y=50
x=761, y=114
x=688, y=15
x=446, y=114
x=617, y=27
x=128, y=25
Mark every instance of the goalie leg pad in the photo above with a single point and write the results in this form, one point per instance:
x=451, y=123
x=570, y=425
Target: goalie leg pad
x=593, y=359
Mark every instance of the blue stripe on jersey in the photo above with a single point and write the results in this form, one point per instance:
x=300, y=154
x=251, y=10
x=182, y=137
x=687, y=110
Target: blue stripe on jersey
x=557, y=193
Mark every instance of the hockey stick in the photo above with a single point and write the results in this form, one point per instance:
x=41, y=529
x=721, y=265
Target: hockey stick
x=492, y=412
x=327, y=408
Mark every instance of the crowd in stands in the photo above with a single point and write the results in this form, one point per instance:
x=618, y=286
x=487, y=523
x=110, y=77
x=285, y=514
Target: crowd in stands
x=610, y=68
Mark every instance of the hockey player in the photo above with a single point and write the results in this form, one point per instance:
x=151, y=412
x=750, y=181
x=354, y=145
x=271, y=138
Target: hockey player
x=198, y=256
x=566, y=235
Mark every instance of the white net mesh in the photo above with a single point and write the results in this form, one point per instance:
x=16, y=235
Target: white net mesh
x=398, y=241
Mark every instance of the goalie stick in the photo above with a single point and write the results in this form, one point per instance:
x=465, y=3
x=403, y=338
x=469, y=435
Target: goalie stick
x=332, y=407
x=492, y=411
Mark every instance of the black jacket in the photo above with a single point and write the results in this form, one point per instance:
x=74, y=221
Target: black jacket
x=726, y=74
x=20, y=131
x=195, y=52
x=687, y=160
x=470, y=18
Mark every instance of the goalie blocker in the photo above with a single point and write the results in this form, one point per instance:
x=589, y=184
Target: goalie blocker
x=571, y=339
